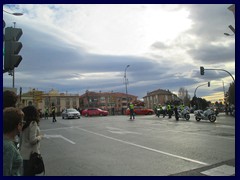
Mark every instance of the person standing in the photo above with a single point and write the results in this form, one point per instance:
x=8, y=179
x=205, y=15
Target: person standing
x=30, y=138
x=46, y=113
x=12, y=125
x=9, y=99
x=53, y=113
x=131, y=107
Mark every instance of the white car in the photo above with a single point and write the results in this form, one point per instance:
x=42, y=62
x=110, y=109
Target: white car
x=70, y=113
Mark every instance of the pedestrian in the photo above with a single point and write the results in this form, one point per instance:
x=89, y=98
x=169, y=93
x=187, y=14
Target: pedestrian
x=12, y=125
x=46, y=113
x=9, y=99
x=132, y=114
x=30, y=138
x=53, y=113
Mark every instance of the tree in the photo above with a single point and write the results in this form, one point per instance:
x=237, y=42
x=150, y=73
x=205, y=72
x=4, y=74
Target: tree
x=184, y=96
x=231, y=94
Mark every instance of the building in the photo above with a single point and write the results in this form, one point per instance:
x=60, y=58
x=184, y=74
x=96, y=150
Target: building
x=114, y=102
x=159, y=96
x=43, y=100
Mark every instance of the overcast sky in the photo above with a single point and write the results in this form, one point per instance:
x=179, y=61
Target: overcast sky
x=79, y=47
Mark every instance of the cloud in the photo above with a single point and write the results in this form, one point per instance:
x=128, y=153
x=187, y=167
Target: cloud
x=78, y=47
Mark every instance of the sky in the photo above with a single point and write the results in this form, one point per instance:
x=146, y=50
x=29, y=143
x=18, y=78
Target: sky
x=77, y=47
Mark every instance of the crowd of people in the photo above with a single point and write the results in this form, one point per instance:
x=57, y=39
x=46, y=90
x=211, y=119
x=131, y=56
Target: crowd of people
x=21, y=124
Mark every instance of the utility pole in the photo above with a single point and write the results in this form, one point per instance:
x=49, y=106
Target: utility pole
x=13, y=83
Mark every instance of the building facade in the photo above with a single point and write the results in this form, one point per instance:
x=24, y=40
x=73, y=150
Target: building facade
x=114, y=102
x=159, y=96
x=43, y=100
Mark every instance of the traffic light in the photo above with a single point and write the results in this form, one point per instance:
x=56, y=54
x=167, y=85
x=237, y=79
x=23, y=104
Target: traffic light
x=12, y=48
x=201, y=70
x=209, y=84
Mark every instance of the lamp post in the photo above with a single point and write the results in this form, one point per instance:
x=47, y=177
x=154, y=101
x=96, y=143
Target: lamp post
x=126, y=81
x=223, y=92
x=14, y=14
x=227, y=34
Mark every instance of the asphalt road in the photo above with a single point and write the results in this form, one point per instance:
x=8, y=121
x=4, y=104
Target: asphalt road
x=147, y=146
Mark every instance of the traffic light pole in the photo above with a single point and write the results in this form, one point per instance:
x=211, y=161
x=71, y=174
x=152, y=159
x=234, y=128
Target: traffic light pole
x=223, y=70
x=198, y=87
x=196, y=91
x=13, y=83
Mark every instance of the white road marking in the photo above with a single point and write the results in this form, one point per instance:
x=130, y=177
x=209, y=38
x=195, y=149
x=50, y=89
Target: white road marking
x=223, y=170
x=56, y=128
x=58, y=136
x=144, y=147
x=120, y=131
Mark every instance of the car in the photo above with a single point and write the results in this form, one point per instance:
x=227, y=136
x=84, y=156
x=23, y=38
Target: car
x=70, y=113
x=94, y=112
x=140, y=111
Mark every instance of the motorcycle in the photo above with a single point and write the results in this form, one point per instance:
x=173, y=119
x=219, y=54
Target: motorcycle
x=183, y=114
x=205, y=115
x=158, y=112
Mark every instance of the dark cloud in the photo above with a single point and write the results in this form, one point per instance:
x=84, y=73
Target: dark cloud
x=211, y=54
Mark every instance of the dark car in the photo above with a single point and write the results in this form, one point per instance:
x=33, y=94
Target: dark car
x=141, y=111
x=70, y=113
x=94, y=112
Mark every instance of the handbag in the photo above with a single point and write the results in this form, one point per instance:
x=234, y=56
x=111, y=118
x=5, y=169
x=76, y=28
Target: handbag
x=36, y=163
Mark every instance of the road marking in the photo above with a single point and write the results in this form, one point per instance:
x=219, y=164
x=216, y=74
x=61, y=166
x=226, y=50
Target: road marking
x=194, y=133
x=58, y=136
x=223, y=170
x=56, y=128
x=120, y=131
x=144, y=147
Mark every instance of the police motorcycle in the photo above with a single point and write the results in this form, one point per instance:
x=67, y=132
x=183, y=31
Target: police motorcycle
x=205, y=115
x=158, y=112
x=184, y=114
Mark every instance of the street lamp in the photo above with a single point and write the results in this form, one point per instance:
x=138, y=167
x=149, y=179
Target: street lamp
x=15, y=14
x=126, y=81
x=226, y=34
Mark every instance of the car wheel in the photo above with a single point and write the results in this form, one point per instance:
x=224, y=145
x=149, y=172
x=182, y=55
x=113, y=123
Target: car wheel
x=100, y=114
x=62, y=117
x=86, y=115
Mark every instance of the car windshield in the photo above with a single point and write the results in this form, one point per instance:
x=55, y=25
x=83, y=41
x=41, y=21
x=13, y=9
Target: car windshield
x=71, y=110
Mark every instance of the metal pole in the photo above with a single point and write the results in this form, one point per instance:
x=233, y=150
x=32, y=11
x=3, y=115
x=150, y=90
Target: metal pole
x=196, y=91
x=223, y=92
x=225, y=71
x=14, y=23
x=126, y=81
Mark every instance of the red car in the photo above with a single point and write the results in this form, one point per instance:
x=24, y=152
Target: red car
x=94, y=112
x=141, y=111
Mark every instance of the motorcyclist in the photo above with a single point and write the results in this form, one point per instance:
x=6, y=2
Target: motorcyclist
x=176, y=112
x=159, y=109
x=169, y=109
x=155, y=108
